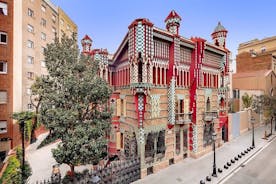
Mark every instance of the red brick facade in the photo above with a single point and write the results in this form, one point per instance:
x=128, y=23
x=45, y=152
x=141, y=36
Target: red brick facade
x=6, y=77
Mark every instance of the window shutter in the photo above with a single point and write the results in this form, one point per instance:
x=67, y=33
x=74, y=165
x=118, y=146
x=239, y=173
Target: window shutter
x=118, y=140
x=124, y=107
x=3, y=97
x=186, y=105
x=118, y=101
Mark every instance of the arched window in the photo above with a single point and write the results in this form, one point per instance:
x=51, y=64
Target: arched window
x=208, y=105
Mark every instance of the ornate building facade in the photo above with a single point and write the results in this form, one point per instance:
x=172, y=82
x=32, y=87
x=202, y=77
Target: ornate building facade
x=169, y=93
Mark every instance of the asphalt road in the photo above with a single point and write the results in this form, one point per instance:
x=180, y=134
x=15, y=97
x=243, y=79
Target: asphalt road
x=260, y=170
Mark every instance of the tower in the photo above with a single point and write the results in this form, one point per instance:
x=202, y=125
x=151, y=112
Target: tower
x=173, y=22
x=86, y=43
x=219, y=35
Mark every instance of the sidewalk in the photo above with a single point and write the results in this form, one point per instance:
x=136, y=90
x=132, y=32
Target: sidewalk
x=41, y=161
x=192, y=171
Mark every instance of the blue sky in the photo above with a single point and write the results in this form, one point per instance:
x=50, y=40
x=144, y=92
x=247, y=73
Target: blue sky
x=107, y=21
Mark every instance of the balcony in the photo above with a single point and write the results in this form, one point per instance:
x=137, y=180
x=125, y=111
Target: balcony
x=139, y=87
x=210, y=115
x=183, y=118
x=222, y=90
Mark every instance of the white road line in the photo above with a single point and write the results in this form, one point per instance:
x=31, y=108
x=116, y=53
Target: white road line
x=245, y=162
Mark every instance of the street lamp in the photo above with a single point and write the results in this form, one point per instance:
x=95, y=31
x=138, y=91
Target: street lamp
x=214, y=135
x=22, y=129
x=252, y=123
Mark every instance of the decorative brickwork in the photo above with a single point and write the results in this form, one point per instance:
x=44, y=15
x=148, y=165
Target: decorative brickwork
x=171, y=102
x=155, y=105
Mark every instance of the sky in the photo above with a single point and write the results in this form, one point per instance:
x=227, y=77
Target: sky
x=107, y=21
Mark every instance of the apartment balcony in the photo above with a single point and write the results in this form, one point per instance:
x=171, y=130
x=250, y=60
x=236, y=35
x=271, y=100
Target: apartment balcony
x=183, y=118
x=210, y=115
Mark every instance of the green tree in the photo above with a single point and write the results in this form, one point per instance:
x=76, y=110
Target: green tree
x=35, y=99
x=267, y=105
x=74, y=104
x=247, y=100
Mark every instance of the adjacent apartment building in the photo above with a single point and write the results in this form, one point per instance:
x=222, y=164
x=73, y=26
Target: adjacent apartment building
x=256, y=69
x=26, y=28
x=169, y=93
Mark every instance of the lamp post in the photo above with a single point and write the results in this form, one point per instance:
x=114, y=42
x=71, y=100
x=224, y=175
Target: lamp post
x=214, y=135
x=252, y=123
x=22, y=127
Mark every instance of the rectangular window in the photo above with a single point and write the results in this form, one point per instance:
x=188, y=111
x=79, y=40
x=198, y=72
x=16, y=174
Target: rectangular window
x=43, y=64
x=54, y=18
x=30, y=44
x=263, y=49
x=3, y=67
x=43, y=22
x=3, y=8
x=185, y=140
x=62, y=22
x=3, y=38
x=29, y=91
x=43, y=50
x=43, y=36
x=3, y=97
x=30, y=60
x=3, y=127
x=30, y=75
x=44, y=75
x=29, y=106
x=30, y=12
x=43, y=8
x=54, y=30
x=30, y=28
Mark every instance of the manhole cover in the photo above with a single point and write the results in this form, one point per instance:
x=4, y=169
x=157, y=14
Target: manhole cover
x=179, y=179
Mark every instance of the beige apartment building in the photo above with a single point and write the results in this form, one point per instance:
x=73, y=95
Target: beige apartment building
x=66, y=25
x=256, y=68
x=26, y=28
x=37, y=22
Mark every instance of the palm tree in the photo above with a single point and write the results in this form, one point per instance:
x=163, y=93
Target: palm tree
x=22, y=117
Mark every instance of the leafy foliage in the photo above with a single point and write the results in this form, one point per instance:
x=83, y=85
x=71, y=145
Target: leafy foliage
x=26, y=117
x=247, y=100
x=265, y=104
x=12, y=174
x=73, y=104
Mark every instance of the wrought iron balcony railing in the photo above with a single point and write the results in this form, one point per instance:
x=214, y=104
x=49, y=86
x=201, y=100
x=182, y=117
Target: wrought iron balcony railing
x=183, y=118
x=210, y=115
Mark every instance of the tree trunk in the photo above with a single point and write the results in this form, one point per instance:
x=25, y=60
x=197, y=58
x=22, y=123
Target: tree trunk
x=72, y=167
x=33, y=138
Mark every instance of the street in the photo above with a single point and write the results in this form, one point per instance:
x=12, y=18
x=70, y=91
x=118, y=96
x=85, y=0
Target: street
x=259, y=170
x=191, y=170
